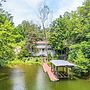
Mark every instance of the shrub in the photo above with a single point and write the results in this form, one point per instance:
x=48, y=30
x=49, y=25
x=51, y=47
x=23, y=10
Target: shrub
x=83, y=63
x=24, y=53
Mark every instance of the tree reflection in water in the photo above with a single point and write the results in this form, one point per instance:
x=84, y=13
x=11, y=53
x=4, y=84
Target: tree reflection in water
x=17, y=78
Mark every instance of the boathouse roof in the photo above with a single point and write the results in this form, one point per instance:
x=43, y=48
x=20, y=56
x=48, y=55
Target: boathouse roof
x=62, y=63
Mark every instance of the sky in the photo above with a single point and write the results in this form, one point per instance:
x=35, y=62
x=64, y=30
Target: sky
x=29, y=9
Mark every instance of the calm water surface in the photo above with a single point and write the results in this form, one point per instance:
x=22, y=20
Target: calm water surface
x=32, y=77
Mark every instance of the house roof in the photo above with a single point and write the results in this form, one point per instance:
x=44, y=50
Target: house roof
x=62, y=63
x=41, y=42
x=42, y=46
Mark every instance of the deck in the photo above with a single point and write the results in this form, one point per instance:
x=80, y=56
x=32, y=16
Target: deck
x=47, y=69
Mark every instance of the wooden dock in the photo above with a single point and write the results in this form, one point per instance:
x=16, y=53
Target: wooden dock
x=47, y=69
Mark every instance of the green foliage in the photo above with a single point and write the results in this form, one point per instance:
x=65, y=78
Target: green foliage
x=79, y=54
x=24, y=53
x=83, y=64
x=16, y=61
x=28, y=32
x=6, y=39
x=6, y=53
x=18, y=38
x=71, y=32
x=49, y=57
x=58, y=34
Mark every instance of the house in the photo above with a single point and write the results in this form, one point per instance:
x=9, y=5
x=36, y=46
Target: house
x=43, y=49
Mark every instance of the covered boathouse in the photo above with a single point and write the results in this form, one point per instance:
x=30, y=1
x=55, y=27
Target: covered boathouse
x=62, y=68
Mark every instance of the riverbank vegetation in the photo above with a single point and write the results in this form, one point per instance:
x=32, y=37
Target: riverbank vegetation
x=28, y=61
x=69, y=34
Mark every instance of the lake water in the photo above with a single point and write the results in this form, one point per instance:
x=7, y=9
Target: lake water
x=32, y=77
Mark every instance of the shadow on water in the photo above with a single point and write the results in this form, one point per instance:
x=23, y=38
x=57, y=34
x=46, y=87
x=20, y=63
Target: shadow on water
x=5, y=83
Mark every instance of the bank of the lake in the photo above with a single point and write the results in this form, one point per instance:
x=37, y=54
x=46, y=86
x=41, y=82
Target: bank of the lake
x=32, y=77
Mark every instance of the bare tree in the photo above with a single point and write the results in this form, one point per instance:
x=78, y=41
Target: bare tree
x=44, y=12
x=2, y=1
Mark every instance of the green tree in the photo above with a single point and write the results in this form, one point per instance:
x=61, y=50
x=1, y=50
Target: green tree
x=6, y=39
x=71, y=32
x=29, y=32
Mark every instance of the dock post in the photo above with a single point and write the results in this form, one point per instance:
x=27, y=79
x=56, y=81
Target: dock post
x=57, y=71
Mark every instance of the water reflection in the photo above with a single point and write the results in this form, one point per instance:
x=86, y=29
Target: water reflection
x=39, y=80
x=34, y=78
x=17, y=78
x=42, y=81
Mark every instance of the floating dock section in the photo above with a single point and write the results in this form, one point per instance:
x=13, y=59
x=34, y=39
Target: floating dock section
x=51, y=75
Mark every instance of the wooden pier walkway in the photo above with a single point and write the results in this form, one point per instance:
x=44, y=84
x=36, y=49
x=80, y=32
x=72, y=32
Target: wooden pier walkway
x=51, y=75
